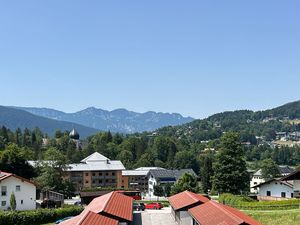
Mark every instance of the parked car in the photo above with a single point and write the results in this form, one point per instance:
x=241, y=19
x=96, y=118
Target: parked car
x=61, y=220
x=154, y=205
x=78, y=203
x=138, y=206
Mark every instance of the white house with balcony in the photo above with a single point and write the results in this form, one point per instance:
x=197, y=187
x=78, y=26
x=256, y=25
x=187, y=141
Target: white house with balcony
x=23, y=189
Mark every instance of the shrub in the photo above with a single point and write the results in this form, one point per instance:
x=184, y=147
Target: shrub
x=246, y=203
x=39, y=216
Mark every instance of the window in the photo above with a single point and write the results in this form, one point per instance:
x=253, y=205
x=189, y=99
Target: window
x=21, y=202
x=268, y=193
x=18, y=188
x=93, y=181
x=292, y=195
x=100, y=174
x=106, y=180
x=86, y=181
x=93, y=174
x=112, y=174
x=100, y=181
x=3, y=190
x=283, y=195
x=3, y=203
x=106, y=174
x=86, y=174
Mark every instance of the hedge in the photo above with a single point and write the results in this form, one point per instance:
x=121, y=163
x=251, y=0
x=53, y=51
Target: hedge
x=246, y=203
x=39, y=216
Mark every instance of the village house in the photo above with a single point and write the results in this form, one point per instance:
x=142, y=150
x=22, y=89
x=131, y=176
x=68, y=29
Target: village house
x=275, y=189
x=257, y=178
x=110, y=209
x=23, y=189
x=95, y=170
x=295, y=179
x=182, y=202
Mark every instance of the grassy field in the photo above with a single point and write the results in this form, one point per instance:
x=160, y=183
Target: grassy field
x=283, y=217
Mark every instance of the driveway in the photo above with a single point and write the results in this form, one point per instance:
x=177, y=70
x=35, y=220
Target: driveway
x=154, y=217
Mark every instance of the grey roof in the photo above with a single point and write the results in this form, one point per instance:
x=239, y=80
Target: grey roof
x=170, y=173
x=282, y=169
x=74, y=134
x=150, y=168
x=111, y=165
x=135, y=172
x=286, y=169
x=95, y=157
x=96, y=162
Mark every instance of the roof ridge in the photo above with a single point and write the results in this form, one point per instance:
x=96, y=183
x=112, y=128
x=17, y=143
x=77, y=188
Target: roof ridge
x=190, y=194
x=232, y=215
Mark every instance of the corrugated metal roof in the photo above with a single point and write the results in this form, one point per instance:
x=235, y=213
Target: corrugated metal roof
x=113, y=203
x=186, y=199
x=135, y=172
x=97, y=166
x=5, y=175
x=90, y=218
x=213, y=213
x=109, y=209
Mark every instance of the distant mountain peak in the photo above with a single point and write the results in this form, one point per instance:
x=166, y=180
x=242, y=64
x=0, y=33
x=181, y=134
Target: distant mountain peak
x=118, y=120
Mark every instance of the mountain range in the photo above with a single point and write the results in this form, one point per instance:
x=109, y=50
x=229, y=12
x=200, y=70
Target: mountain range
x=15, y=118
x=89, y=120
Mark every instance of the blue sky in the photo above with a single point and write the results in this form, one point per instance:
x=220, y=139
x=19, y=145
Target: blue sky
x=192, y=57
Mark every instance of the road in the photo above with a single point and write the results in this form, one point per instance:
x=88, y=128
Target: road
x=154, y=217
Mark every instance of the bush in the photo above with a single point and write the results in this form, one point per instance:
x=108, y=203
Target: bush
x=39, y=216
x=246, y=203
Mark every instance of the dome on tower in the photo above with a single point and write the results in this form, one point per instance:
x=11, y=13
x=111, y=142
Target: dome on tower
x=74, y=134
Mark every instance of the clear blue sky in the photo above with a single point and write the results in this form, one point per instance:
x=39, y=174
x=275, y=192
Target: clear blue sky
x=192, y=57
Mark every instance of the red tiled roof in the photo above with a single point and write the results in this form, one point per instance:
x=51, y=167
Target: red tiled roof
x=90, y=218
x=113, y=203
x=212, y=213
x=4, y=175
x=185, y=199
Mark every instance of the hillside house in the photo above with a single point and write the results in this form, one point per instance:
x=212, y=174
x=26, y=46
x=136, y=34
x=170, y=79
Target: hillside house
x=295, y=178
x=23, y=189
x=257, y=178
x=275, y=189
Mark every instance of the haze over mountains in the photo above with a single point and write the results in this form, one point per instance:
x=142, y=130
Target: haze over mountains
x=119, y=120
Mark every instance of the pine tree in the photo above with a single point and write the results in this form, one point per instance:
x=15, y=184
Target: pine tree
x=230, y=172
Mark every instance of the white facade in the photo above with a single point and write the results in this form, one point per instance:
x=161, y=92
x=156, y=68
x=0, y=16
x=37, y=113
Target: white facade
x=151, y=183
x=297, y=188
x=276, y=189
x=256, y=180
x=25, y=193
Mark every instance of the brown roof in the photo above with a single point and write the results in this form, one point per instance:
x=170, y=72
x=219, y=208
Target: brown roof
x=186, y=199
x=292, y=176
x=90, y=218
x=115, y=204
x=5, y=175
x=213, y=213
